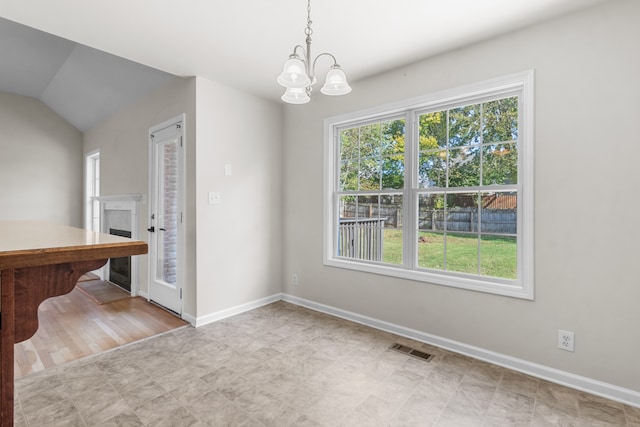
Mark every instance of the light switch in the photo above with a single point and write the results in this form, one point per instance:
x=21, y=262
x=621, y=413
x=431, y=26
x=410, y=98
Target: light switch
x=227, y=169
x=214, y=198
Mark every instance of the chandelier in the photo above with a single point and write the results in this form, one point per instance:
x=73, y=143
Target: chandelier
x=298, y=73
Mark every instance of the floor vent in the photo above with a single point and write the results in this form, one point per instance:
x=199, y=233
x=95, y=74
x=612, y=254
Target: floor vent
x=412, y=352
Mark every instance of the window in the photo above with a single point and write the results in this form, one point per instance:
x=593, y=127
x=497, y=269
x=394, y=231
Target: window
x=92, y=190
x=437, y=189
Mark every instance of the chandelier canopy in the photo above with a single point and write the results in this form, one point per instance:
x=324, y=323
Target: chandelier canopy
x=298, y=73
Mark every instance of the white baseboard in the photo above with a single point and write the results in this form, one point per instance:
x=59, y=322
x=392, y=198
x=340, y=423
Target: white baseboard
x=223, y=314
x=609, y=391
x=190, y=318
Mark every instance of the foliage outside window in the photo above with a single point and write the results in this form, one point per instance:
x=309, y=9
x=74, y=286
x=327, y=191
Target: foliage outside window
x=438, y=190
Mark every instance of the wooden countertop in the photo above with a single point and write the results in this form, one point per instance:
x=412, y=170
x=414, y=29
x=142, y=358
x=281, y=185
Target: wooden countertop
x=35, y=243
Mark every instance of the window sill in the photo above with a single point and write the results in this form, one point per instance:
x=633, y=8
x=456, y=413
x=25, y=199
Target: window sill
x=509, y=288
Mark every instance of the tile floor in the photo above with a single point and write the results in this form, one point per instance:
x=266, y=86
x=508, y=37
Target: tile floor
x=283, y=365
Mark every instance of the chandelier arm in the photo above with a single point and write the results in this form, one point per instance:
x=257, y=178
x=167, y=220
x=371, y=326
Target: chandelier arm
x=304, y=51
x=335, y=61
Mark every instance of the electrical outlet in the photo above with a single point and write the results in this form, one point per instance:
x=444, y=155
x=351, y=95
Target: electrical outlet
x=566, y=340
x=214, y=198
x=294, y=279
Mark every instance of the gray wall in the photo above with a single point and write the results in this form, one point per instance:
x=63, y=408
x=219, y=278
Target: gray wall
x=587, y=148
x=40, y=163
x=239, y=246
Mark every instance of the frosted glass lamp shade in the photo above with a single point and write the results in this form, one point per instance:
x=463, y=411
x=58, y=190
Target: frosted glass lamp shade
x=295, y=95
x=294, y=74
x=336, y=82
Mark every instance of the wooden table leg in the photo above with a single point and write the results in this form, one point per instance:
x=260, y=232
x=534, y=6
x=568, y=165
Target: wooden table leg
x=7, y=339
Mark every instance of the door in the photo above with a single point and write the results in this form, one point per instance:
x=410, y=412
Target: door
x=165, y=206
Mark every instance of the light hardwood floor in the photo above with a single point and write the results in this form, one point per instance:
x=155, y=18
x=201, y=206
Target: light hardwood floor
x=73, y=326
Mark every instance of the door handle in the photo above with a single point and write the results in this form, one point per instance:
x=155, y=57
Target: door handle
x=151, y=229
x=162, y=229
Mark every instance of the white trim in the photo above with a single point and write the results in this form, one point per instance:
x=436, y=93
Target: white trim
x=525, y=169
x=89, y=181
x=232, y=311
x=523, y=287
x=180, y=119
x=589, y=385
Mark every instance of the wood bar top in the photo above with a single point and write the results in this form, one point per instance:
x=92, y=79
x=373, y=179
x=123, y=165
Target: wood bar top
x=35, y=243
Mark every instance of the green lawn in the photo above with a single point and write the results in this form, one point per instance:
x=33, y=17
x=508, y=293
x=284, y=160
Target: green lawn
x=498, y=254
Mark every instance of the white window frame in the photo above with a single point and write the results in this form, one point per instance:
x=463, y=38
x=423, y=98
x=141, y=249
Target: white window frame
x=520, y=84
x=91, y=190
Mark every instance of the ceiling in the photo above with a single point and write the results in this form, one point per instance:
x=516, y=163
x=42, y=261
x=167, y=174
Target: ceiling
x=83, y=85
x=240, y=43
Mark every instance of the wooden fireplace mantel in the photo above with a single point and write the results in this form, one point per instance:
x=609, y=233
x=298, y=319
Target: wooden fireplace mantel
x=39, y=260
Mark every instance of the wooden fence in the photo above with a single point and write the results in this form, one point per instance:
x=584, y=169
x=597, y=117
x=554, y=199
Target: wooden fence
x=361, y=238
x=498, y=221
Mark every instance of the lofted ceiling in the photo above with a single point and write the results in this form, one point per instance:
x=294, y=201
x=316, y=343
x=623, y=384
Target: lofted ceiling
x=83, y=85
x=83, y=75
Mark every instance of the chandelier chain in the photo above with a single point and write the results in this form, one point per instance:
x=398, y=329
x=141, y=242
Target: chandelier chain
x=308, y=31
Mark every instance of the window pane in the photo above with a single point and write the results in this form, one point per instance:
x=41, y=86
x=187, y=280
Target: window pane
x=500, y=164
x=370, y=174
x=361, y=228
x=391, y=217
x=430, y=227
x=348, y=176
x=464, y=167
x=346, y=235
x=462, y=217
x=464, y=125
x=500, y=120
x=498, y=256
x=370, y=141
x=393, y=155
x=462, y=253
x=431, y=212
x=498, y=252
x=433, y=130
x=393, y=172
x=349, y=144
x=432, y=169
x=462, y=212
x=392, y=138
x=499, y=212
x=368, y=206
x=431, y=250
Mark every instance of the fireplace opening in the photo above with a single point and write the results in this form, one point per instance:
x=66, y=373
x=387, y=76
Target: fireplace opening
x=120, y=268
